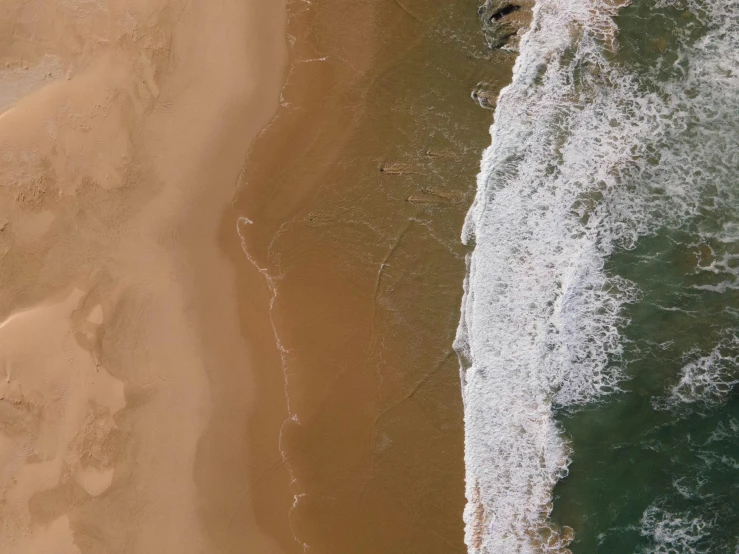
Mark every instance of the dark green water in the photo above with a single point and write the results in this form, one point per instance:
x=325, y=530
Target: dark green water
x=656, y=467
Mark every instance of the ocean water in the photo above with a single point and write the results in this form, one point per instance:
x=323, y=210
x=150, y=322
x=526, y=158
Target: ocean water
x=598, y=336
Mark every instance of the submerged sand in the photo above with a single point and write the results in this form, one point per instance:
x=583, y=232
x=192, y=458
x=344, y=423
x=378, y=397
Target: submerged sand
x=351, y=208
x=125, y=380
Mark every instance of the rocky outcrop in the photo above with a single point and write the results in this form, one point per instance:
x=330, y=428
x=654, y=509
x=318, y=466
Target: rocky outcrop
x=503, y=21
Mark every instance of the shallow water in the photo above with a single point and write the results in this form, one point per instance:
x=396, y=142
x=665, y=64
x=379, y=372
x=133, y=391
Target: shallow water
x=600, y=314
x=351, y=207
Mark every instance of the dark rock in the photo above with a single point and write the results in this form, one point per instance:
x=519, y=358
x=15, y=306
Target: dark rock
x=503, y=20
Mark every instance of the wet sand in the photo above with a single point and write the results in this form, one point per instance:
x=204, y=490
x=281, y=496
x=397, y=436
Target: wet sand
x=125, y=369
x=351, y=207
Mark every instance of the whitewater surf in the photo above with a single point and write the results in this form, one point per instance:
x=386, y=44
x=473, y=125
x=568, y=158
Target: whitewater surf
x=614, y=148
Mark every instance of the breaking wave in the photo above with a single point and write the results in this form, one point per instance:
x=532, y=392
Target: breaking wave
x=588, y=154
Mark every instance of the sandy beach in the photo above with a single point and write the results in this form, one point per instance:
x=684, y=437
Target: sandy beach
x=230, y=273
x=125, y=376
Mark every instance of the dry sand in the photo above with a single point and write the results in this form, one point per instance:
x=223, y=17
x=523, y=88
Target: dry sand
x=125, y=382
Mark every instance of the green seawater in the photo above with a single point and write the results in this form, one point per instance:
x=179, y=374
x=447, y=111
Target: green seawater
x=655, y=466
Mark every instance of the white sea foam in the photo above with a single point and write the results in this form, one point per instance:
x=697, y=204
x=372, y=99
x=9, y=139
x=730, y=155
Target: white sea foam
x=671, y=533
x=584, y=158
x=705, y=378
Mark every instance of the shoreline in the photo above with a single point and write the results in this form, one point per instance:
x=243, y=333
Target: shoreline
x=355, y=202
